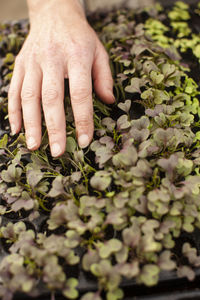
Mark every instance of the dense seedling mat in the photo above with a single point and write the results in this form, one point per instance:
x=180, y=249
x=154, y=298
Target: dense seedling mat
x=125, y=211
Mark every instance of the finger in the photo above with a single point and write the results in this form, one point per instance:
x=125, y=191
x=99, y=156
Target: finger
x=102, y=76
x=14, y=97
x=80, y=84
x=53, y=106
x=31, y=106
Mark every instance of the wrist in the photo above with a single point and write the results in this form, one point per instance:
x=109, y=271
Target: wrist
x=43, y=8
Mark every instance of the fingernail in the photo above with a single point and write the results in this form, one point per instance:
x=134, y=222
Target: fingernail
x=56, y=150
x=31, y=142
x=113, y=97
x=83, y=141
x=13, y=129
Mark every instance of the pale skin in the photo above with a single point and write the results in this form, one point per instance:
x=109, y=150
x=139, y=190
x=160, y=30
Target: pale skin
x=61, y=44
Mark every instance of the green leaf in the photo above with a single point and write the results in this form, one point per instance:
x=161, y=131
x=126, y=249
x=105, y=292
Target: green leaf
x=71, y=144
x=12, y=174
x=165, y=262
x=125, y=106
x=4, y=141
x=57, y=187
x=91, y=296
x=156, y=77
x=115, y=295
x=70, y=291
x=110, y=247
x=186, y=271
x=90, y=258
x=150, y=274
x=100, y=181
x=187, y=225
x=27, y=286
x=34, y=176
x=127, y=157
x=135, y=85
x=130, y=270
x=182, y=5
x=9, y=58
x=73, y=239
x=123, y=122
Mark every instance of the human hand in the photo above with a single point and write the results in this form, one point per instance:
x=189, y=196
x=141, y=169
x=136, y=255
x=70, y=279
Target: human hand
x=60, y=44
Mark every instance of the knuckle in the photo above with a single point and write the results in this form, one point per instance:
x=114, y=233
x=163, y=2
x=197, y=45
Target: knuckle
x=81, y=97
x=28, y=94
x=53, y=131
x=79, y=51
x=49, y=96
x=83, y=122
x=29, y=123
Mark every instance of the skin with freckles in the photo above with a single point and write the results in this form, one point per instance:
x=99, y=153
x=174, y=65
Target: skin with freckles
x=60, y=44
